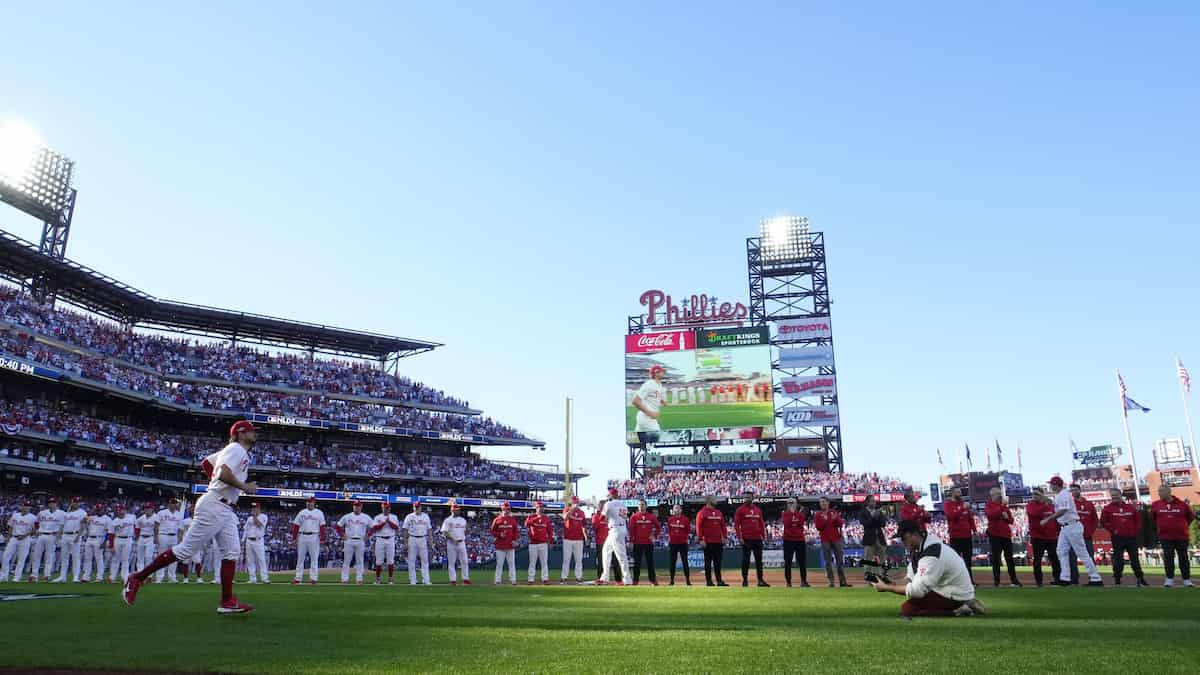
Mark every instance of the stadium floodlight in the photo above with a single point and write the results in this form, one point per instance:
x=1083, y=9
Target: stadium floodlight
x=784, y=239
x=33, y=178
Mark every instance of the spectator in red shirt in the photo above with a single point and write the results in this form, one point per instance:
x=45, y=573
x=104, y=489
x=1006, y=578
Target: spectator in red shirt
x=1090, y=521
x=710, y=530
x=600, y=528
x=644, y=529
x=1043, y=539
x=1123, y=521
x=999, y=531
x=541, y=531
x=750, y=528
x=678, y=530
x=504, y=531
x=960, y=523
x=913, y=511
x=794, y=545
x=574, y=536
x=1172, y=516
x=829, y=525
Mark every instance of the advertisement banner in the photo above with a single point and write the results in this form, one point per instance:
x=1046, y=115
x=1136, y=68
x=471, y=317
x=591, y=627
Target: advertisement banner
x=732, y=337
x=1097, y=455
x=649, y=343
x=1170, y=451
x=656, y=459
x=1177, y=478
x=804, y=329
x=800, y=446
x=816, y=416
x=806, y=357
x=810, y=385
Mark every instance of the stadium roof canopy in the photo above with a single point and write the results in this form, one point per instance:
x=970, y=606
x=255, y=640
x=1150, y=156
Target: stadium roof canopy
x=82, y=286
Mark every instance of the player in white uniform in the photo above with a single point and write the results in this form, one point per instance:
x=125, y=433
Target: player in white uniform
x=97, y=526
x=255, y=537
x=144, y=547
x=121, y=530
x=418, y=526
x=195, y=564
x=353, y=528
x=20, y=531
x=385, y=528
x=455, y=530
x=72, y=537
x=49, y=529
x=1070, y=536
x=214, y=518
x=308, y=529
x=649, y=400
x=169, y=521
x=618, y=534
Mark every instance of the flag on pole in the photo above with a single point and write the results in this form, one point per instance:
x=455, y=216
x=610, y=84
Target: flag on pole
x=988, y=453
x=940, y=462
x=969, y=462
x=999, y=454
x=1129, y=403
x=1019, y=466
x=1185, y=380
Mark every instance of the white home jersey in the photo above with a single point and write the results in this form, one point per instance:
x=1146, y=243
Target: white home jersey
x=145, y=525
x=355, y=525
x=51, y=522
x=651, y=393
x=386, y=531
x=417, y=524
x=256, y=526
x=21, y=524
x=1065, y=501
x=615, y=513
x=74, y=521
x=122, y=526
x=168, y=521
x=98, y=526
x=310, y=521
x=237, y=459
x=455, y=528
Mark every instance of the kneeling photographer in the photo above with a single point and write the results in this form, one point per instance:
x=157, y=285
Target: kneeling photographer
x=938, y=581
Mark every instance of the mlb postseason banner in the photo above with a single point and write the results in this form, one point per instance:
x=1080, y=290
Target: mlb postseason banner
x=339, y=496
x=811, y=356
x=815, y=328
x=811, y=385
x=815, y=416
x=688, y=386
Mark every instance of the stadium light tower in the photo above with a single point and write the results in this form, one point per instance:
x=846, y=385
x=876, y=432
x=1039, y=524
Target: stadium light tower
x=784, y=238
x=38, y=181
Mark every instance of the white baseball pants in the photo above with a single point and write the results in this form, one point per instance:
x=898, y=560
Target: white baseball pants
x=615, y=545
x=166, y=541
x=573, y=548
x=355, y=548
x=69, y=556
x=506, y=555
x=1070, y=537
x=93, y=553
x=456, y=556
x=418, y=548
x=385, y=551
x=307, y=545
x=146, y=550
x=18, y=548
x=538, y=555
x=43, y=555
x=256, y=561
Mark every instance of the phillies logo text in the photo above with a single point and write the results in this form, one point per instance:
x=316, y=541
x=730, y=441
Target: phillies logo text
x=698, y=309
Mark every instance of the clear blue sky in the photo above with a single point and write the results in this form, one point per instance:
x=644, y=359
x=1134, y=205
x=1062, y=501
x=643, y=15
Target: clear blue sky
x=1009, y=194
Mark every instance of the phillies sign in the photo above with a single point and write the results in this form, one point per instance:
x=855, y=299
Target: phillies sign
x=695, y=309
x=816, y=385
x=649, y=343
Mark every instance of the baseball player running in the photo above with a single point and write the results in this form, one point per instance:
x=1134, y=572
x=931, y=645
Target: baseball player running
x=49, y=530
x=169, y=522
x=120, y=542
x=145, y=531
x=455, y=530
x=353, y=528
x=72, y=536
x=308, y=529
x=20, y=529
x=215, y=518
x=504, y=531
x=385, y=528
x=649, y=400
x=254, y=536
x=618, y=534
x=574, y=535
x=418, y=526
x=98, y=525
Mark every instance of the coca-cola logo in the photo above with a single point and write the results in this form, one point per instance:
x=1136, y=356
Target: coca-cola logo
x=656, y=340
x=660, y=342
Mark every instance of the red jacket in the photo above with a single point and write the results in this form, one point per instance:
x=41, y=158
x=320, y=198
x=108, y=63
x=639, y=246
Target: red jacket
x=678, y=529
x=504, y=529
x=573, y=522
x=1087, y=517
x=600, y=526
x=1036, y=511
x=959, y=518
x=793, y=526
x=644, y=527
x=829, y=525
x=1121, y=520
x=1172, y=518
x=999, y=520
x=914, y=512
x=540, y=529
x=748, y=523
x=710, y=526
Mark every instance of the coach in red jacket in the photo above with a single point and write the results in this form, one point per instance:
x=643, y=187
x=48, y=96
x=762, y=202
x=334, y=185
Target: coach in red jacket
x=1172, y=516
x=1043, y=539
x=795, y=545
x=679, y=529
x=829, y=525
x=912, y=511
x=1123, y=521
x=1090, y=520
x=711, y=531
x=643, y=529
x=750, y=528
x=960, y=523
x=999, y=530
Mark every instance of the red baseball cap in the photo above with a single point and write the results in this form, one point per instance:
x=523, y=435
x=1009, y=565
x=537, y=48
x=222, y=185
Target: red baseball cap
x=75, y=500
x=120, y=506
x=656, y=368
x=613, y=491
x=1056, y=481
x=455, y=507
x=239, y=426
x=574, y=499
x=311, y=500
x=26, y=503
x=52, y=500
x=505, y=505
x=539, y=505
x=356, y=503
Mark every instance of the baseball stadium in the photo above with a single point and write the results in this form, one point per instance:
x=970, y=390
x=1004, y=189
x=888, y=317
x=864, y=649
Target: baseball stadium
x=337, y=471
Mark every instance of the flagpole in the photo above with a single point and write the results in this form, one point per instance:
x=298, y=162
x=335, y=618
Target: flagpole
x=1187, y=414
x=567, y=458
x=1137, y=494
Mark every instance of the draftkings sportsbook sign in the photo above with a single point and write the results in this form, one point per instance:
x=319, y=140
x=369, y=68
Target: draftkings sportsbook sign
x=733, y=337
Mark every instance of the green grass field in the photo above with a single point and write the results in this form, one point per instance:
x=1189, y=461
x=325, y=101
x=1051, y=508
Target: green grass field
x=705, y=416
x=337, y=629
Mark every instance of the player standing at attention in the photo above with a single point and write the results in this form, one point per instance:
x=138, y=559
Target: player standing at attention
x=1123, y=521
x=418, y=526
x=644, y=529
x=121, y=529
x=999, y=530
x=255, y=536
x=795, y=543
x=1090, y=520
x=215, y=518
x=169, y=520
x=72, y=536
x=97, y=525
x=960, y=524
x=1070, y=536
x=712, y=533
x=144, y=530
x=20, y=529
x=1043, y=535
x=574, y=535
x=353, y=528
x=600, y=529
x=911, y=511
x=385, y=529
x=540, y=533
x=829, y=525
x=649, y=400
x=750, y=528
x=454, y=529
x=49, y=529
x=308, y=529
x=1172, y=518
x=679, y=529
x=504, y=531
x=615, y=515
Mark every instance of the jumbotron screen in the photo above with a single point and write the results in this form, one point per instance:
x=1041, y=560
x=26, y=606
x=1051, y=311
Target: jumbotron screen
x=696, y=385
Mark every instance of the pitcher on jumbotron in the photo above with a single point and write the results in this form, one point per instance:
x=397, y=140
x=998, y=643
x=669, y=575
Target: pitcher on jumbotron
x=649, y=400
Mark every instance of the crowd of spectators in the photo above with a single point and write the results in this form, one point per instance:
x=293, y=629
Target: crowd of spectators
x=774, y=482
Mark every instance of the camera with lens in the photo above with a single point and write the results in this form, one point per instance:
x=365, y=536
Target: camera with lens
x=876, y=572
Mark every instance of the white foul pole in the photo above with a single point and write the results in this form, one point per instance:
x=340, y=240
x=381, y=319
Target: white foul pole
x=1187, y=414
x=1137, y=494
